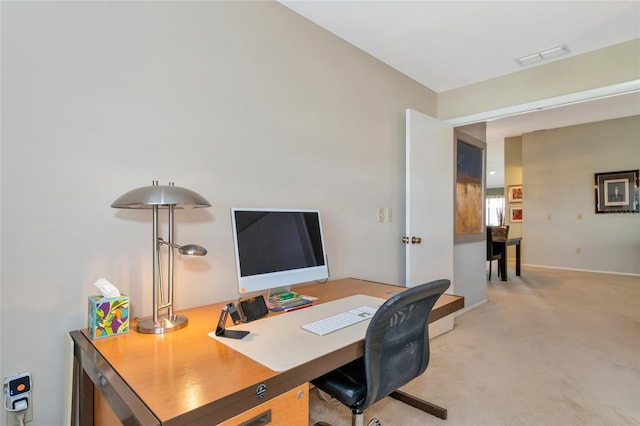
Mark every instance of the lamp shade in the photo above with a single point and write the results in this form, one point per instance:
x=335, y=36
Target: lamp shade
x=192, y=250
x=160, y=195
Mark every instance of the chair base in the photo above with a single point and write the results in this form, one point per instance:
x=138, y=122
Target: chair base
x=420, y=404
x=358, y=420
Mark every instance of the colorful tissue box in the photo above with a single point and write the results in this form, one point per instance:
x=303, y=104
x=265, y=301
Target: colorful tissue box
x=108, y=316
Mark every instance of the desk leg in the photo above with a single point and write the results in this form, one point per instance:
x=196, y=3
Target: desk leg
x=82, y=400
x=518, y=259
x=92, y=373
x=420, y=404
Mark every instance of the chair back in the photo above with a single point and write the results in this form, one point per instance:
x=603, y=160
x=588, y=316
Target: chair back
x=489, y=243
x=397, y=341
x=500, y=233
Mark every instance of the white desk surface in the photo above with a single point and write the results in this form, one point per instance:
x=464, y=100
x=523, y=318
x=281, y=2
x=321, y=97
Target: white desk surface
x=278, y=342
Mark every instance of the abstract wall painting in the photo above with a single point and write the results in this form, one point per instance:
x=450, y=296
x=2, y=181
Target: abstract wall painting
x=469, y=188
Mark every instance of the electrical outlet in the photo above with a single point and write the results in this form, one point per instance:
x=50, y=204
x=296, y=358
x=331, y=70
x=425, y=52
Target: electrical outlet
x=380, y=214
x=17, y=395
x=389, y=214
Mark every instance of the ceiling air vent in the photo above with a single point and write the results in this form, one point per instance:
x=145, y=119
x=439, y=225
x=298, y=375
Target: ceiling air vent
x=542, y=55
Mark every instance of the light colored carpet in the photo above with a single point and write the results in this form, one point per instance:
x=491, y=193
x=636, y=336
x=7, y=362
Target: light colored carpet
x=551, y=347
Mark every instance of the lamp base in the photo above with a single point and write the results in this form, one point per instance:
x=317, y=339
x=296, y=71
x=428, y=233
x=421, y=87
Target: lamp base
x=165, y=324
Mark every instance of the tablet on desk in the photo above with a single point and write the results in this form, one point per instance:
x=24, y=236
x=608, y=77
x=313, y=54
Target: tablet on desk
x=253, y=309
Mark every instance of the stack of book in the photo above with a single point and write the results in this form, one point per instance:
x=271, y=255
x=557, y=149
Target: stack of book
x=288, y=301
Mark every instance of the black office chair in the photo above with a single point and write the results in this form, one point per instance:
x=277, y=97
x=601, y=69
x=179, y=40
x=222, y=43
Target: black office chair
x=396, y=350
x=494, y=251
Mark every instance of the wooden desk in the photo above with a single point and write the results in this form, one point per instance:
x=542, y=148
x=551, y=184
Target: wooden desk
x=503, y=248
x=188, y=378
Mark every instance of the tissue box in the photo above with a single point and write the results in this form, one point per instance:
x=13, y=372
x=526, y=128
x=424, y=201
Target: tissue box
x=108, y=316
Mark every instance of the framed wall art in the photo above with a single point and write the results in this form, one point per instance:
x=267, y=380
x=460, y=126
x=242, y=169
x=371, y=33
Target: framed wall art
x=516, y=214
x=469, y=188
x=515, y=194
x=617, y=192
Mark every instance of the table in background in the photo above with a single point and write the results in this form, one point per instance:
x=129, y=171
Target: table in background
x=503, y=248
x=188, y=378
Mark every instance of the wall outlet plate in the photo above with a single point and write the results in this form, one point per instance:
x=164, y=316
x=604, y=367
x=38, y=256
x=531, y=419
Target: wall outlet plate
x=12, y=420
x=15, y=388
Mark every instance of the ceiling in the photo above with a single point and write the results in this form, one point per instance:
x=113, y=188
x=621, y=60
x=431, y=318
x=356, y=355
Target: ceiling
x=483, y=39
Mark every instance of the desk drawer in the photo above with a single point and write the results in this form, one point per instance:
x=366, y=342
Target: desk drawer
x=289, y=409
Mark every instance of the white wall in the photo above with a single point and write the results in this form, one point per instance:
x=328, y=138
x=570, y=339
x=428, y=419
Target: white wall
x=512, y=176
x=470, y=257
x=560, y=227
x=246, y=103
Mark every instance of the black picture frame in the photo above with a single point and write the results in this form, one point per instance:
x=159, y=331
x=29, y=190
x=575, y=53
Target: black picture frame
x=617, y=192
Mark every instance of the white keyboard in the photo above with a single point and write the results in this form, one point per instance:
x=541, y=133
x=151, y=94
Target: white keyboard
x=336, y=322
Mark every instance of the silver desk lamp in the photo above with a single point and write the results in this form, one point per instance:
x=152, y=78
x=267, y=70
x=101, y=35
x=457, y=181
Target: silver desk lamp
x=170, y=197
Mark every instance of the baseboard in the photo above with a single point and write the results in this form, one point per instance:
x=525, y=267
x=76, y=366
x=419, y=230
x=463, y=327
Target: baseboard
x=528, y=265
x=470, y=308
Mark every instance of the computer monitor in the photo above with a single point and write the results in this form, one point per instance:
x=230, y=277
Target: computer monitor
x=276, y=248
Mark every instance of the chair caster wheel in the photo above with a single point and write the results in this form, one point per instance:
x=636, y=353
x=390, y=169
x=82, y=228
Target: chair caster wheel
x=374, y=422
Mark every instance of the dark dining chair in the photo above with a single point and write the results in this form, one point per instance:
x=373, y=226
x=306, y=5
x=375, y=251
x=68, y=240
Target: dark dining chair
x=495, y=249
x=396, y=350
